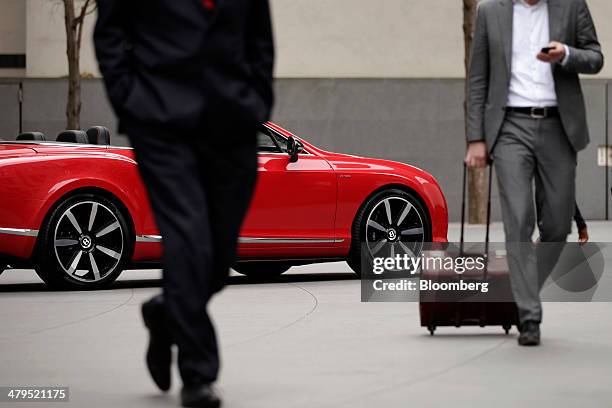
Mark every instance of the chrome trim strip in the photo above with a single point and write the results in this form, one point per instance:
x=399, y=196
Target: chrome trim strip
x=19, y=231
x=253, y=240
x=148, y=238
x=56, y=143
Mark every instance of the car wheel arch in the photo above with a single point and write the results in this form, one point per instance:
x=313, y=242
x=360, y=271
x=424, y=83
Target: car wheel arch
x=95, y=191
x=395, y=186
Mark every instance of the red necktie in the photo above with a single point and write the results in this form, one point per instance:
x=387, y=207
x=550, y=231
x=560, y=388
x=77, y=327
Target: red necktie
x=209, y=4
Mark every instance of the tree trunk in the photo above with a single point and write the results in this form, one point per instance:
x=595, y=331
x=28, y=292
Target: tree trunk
x=73, y=105
x=476, y=177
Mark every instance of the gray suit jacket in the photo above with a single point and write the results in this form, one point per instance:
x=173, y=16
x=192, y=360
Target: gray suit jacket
x=490, y=63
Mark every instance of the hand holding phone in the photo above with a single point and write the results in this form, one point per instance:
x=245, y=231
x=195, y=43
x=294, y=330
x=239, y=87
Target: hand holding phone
x=553, y=53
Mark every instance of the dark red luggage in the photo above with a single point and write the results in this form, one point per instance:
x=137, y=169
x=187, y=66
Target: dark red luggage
x=492, y=308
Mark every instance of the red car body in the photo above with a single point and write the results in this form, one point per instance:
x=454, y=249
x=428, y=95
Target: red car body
x=300, y=210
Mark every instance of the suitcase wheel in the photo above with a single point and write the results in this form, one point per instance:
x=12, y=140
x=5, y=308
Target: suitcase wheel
x=507, y=328
x=431, y=329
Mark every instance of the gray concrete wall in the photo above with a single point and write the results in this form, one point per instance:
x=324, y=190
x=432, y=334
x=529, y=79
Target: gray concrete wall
x=45, y=106
x=416, y=121
x=9, y=109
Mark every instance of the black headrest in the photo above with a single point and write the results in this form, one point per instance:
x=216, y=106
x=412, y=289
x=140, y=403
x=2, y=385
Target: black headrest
x=73, y=136
x=31, y=136
x=98, y=135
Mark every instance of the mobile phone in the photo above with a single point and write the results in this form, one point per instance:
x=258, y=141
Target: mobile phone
x=546, y=50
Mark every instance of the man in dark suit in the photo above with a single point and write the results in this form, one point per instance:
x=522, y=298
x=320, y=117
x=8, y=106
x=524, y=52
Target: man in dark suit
x=190, y=81
x=527, y=112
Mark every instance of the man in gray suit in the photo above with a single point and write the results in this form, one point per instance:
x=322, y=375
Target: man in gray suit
x=526, y=112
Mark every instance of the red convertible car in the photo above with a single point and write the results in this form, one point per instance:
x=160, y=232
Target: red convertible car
x=76, y=211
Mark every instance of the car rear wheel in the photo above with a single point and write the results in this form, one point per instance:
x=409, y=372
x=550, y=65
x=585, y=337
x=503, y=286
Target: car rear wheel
x=84, y=244
x=391, y=222
x=261, y=269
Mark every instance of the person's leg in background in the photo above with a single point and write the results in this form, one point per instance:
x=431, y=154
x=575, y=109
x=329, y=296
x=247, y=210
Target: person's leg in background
x=169, y=166
x=583, y=231
x=555, y=185
x=515, y=165
x=581, y=226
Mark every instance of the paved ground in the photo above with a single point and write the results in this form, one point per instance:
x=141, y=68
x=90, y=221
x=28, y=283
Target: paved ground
x=305, y=341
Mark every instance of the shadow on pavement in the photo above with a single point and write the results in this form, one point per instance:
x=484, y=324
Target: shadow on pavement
x=305, y=277
x=159, y=400
x=454, y=336
x=156, y=283
x=24, y=287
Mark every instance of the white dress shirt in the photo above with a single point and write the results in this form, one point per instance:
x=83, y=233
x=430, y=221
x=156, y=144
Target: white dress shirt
x=531, y=80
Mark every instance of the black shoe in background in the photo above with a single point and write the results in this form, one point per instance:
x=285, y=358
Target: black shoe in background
x=530, y=334
x=159, y=352
x=200, y=396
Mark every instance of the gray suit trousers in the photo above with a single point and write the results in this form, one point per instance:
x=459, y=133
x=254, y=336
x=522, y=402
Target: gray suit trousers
x=534, y=153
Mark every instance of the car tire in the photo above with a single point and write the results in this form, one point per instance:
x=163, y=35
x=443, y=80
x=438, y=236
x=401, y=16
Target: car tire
x=261, y=270
x=415, y=220
x=84, y=244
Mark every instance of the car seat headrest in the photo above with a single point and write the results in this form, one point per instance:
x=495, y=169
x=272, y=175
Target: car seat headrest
x=98, y=135
x=31, y=136
x=73, y=136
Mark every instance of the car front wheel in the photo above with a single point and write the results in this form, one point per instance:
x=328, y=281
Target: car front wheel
x=84, y=244
x=391, y=222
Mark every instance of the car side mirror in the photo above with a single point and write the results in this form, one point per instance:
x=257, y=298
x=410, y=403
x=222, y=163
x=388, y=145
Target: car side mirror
x=294, y=148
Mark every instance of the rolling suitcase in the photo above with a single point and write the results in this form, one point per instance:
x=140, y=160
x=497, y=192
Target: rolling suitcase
x=493, y=308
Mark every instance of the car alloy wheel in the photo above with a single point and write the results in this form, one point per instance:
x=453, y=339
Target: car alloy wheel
x=391, y=222
x=84, y=243
x=394, y=226
x=88, y=241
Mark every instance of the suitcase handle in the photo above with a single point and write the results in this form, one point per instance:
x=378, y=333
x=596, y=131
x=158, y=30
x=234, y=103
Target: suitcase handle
x=463, y=200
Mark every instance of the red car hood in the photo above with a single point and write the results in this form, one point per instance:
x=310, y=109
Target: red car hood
x=349, y=162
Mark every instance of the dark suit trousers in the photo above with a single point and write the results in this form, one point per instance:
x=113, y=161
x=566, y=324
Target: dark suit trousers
x=200, y=184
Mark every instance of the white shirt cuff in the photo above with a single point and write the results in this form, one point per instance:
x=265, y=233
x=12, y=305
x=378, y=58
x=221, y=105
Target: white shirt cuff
x=567, y=55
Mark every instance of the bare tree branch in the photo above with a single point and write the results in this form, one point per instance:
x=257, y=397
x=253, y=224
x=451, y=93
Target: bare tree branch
x=79, y=22
x=74, y=34
x=92, y=9
x=83, y=12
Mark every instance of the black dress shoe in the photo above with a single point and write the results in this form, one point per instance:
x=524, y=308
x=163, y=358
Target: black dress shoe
x=159, y=353
x=200, y=396
x=530, y=334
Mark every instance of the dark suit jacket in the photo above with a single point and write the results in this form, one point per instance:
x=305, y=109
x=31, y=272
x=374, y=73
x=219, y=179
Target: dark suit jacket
x=490, y=63
x=175, y=62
